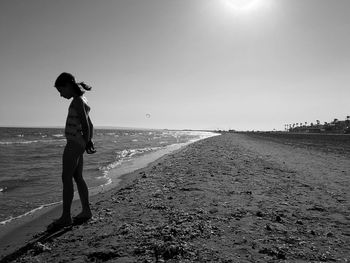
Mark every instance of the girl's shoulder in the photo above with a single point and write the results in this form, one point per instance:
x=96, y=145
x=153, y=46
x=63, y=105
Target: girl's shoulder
x=84, y=99
x=79, y=102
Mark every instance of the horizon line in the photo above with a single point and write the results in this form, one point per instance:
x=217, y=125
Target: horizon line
x=107, y=127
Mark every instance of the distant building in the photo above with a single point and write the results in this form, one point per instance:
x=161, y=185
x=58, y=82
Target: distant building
x=335, y=126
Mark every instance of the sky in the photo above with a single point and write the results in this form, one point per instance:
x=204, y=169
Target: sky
x=184, y=64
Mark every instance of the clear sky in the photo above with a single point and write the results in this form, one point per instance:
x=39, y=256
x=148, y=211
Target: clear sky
x=200, y=64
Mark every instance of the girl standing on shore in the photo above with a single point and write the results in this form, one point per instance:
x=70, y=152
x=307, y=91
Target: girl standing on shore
x=78, y=132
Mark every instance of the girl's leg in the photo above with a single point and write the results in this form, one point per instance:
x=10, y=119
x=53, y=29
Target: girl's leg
x=70, y=164
x=82, y=189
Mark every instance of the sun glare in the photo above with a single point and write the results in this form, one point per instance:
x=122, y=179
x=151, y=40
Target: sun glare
x=243, y=5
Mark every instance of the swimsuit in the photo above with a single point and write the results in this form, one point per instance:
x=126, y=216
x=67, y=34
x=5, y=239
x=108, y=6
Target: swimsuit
x=73, y=130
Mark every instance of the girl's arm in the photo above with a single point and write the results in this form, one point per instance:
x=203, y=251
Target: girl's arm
x=91, y=128
x=90, y=149
x=79, y=106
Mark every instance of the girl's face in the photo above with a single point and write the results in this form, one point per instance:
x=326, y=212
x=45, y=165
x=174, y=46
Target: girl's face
x=66, y=91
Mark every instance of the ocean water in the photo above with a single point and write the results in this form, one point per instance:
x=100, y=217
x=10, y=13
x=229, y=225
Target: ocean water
x=31, y=162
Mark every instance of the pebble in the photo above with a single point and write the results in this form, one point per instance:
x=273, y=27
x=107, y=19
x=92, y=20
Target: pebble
x=213, y=210
x=157, y=193
x=329, y=234
x=39, y=247
x=259, y=214
x=299, y=222
x=278, y=219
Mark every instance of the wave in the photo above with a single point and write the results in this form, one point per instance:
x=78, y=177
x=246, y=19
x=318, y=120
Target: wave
x=105, y=177
x=4, y=222
x=126, y=155
x=30, y=142
x=58, y=135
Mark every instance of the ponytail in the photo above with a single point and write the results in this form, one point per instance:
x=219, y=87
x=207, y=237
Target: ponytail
x=81, y=87
x=85, y=86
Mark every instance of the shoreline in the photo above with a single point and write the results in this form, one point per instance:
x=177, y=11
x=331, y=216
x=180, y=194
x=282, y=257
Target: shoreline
x=16, y=233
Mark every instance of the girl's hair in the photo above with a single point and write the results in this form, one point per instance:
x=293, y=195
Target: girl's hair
x=66, y=78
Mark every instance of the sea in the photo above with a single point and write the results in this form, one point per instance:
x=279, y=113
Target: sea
x=31, y=162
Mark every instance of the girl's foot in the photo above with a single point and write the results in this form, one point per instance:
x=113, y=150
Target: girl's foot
x=59, y=223
x=82, y=217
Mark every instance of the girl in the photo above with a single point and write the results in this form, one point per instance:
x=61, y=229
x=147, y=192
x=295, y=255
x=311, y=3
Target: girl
x=78, y=132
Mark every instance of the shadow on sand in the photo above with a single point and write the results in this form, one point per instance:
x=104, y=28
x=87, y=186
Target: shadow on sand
x=38, y=242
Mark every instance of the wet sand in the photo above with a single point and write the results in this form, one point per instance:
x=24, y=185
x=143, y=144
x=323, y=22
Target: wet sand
x=230, y=198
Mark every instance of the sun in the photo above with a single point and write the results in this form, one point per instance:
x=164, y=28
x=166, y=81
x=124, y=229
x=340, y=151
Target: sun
x=243, y=5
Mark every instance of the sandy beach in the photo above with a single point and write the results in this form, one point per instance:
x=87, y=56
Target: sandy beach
x=229, y=198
